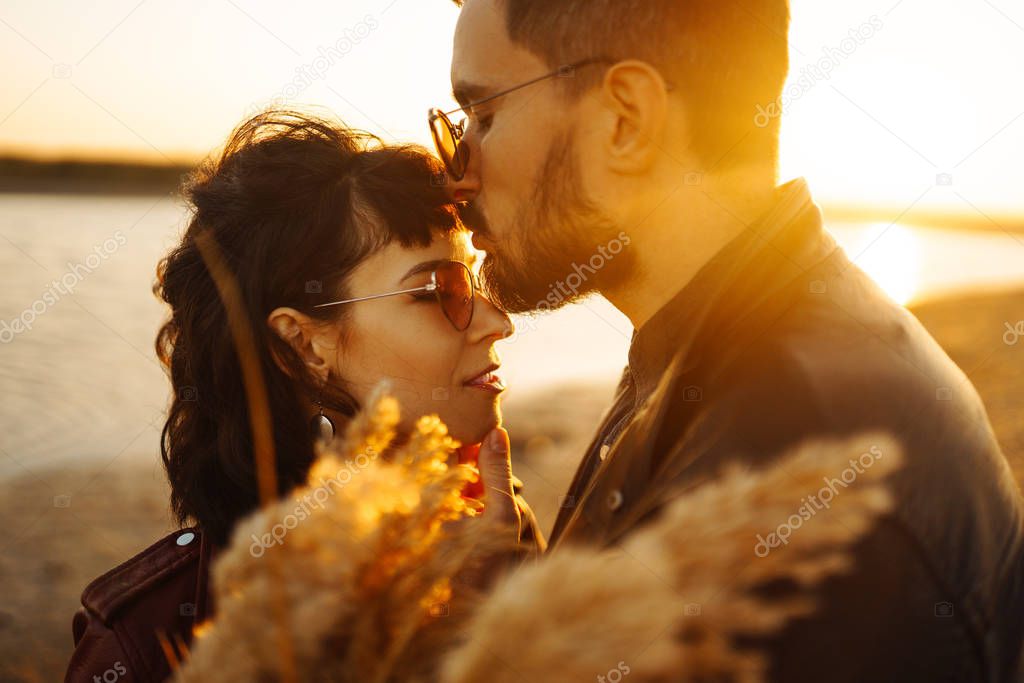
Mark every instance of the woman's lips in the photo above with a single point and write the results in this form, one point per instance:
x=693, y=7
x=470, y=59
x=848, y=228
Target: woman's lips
x=488, y=381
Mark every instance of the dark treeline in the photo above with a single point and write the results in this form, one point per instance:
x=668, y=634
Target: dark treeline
x=19, y=174
x=100, y=177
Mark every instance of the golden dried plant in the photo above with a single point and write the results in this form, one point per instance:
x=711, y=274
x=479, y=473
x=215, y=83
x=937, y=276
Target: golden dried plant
x=373, y=591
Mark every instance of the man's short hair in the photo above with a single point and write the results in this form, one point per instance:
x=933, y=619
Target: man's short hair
x=727, y=57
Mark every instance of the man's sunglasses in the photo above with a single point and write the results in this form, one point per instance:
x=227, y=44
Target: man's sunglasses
x=452, y=284
x=448, y=136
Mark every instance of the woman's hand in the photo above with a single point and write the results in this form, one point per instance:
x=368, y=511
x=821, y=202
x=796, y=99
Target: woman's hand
x=500, y=512
x=495, y=465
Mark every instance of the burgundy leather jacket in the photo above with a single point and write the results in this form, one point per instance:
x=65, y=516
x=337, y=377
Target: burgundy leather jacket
x=139, y=615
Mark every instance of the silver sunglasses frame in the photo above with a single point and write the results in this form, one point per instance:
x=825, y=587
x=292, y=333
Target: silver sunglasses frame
x=430, y=287
x=458, y=130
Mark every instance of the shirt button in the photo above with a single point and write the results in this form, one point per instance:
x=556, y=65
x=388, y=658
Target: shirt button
x=614, y=500
x=186, y=538
x=603, y=453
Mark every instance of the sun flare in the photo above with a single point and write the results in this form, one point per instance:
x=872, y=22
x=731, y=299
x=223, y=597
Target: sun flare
x=891, y=256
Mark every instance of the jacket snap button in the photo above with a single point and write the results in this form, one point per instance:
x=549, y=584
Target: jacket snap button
x=186, y=538
x=615, y=500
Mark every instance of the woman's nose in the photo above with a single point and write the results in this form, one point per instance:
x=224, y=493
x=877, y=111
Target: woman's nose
x=490, y=322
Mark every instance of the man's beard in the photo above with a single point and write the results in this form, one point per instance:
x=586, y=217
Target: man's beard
x=554, y=233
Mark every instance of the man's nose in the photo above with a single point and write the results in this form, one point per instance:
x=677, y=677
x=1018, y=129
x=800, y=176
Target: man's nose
x=467, y=187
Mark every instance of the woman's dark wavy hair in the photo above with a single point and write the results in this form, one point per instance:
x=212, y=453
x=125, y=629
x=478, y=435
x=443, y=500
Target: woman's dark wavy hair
x=294, y=203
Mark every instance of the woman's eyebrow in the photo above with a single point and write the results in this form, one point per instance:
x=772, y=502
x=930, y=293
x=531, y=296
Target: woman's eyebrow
x=423, y=267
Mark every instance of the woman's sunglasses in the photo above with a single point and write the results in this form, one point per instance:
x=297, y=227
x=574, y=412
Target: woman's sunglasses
x=453, y=285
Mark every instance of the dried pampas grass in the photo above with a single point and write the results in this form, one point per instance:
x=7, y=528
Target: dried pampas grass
x=370, y=586
x=670, y=603
x=359, y=577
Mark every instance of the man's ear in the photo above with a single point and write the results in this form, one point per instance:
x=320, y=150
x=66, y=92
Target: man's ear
x=298, y=329
x=637, y=96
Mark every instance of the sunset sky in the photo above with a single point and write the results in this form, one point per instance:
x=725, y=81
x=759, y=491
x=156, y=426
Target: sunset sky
x=916, y=89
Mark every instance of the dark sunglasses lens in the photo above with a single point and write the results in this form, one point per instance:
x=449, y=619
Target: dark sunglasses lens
x=461, y=162
x=452, y=152
x=455, y=292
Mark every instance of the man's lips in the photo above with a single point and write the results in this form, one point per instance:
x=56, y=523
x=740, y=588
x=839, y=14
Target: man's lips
x=473, y=218
x=487, y=380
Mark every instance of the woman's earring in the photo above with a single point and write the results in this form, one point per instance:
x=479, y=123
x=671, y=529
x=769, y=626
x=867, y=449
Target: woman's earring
x=321, y=428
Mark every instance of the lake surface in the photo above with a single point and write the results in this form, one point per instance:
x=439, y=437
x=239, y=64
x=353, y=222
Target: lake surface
x=84, y=382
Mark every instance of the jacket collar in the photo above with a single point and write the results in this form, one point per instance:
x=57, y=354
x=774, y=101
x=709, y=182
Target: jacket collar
x=725, y=307
x=783, y=243
x=204, y=591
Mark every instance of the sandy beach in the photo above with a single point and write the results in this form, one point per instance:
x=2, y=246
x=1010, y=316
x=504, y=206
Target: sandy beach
x=59, y=544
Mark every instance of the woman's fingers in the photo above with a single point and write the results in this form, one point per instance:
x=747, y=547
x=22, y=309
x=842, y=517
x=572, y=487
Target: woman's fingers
x=495, y=465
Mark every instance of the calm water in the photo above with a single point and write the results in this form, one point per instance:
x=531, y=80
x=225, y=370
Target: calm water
x=83, y=382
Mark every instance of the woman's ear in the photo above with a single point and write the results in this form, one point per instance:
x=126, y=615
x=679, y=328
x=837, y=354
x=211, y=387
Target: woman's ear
x=298, y=329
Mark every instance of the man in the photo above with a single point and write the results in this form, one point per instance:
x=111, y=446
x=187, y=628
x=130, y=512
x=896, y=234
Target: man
x=618, y=143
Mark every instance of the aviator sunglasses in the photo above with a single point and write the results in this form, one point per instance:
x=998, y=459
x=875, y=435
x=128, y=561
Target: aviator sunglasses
x=452, y=284
x=447, y=136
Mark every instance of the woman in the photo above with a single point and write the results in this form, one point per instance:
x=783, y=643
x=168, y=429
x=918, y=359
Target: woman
x=352, y=268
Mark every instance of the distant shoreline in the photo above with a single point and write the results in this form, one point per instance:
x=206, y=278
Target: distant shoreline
x=925, y=218
x=30, y=176
x=77, y=176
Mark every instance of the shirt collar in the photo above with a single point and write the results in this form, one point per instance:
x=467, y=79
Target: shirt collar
x=782, y=231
